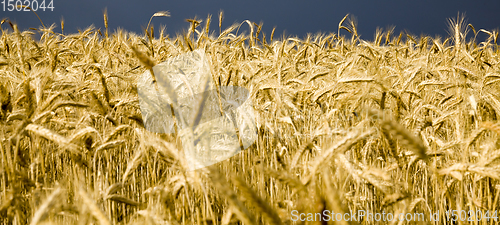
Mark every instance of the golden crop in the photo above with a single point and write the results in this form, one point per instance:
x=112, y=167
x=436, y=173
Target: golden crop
x=402, y=124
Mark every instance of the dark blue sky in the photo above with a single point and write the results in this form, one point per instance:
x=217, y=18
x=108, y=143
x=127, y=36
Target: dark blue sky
x=295, y=17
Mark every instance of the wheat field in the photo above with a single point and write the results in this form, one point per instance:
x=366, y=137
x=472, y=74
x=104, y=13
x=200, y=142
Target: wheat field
x=402, y=125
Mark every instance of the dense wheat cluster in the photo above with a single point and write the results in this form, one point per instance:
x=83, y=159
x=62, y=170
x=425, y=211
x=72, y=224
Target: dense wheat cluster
x=401, y=124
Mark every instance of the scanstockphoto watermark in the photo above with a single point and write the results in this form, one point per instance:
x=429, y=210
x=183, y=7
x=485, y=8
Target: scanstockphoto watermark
x=356, y=216
x=214, y=122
